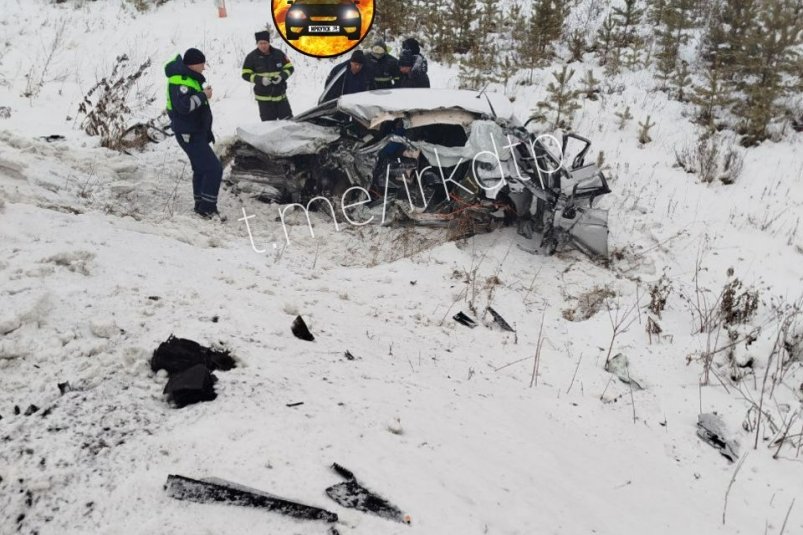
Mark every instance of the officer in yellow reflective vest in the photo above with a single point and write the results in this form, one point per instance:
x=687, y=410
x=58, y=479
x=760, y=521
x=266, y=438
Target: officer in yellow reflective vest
x=191, y=120
x=268, y=69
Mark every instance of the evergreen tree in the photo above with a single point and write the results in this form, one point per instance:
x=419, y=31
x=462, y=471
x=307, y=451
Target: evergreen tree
x=626, y=20
x=479, y=67
x=681, y=82
x=463, y=13
x=561, y=102
x=606, y=40
x=590, y=88
x=710, y=98
x=771, y=69
x=490, y=17
x=644, y=133
x=624, y=117
x=543, y=28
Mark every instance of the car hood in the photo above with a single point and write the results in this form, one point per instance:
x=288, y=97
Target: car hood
x=287, y=138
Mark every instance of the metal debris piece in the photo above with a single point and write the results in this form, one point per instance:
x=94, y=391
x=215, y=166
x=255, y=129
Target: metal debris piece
x=501, y=321
x=213, y=490
x=711, y=429
x=463, y=319
x=353, y=495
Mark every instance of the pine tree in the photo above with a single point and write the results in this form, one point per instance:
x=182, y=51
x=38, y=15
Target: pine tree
x=577, y=45
x=440, y=29
x=606, y=40
x=772, y=66
x=633, y=59
x=590, y=86
x=463, y=13
x=627, y=19
x=543, y=28
x=489, y=16
x=562, y=102
x=681, y=82
x=644, y=133
x=624, y=117
x=479, y=67
x=671, y=36
x=710, y=98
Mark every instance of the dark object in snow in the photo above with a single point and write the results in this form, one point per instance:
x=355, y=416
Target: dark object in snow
x=500, y=320
x=349, y=356
x=178, y=354
x=215, y=319
x=64, y=387
x=153, y=297
x=711, y=429
x=216, y=490
x=333, y=531
x=16, y=410
x=464, y=320
x=620, y=367
x=191, y=386
x=300, y=330
x=296, y=404
x=31, y=409
x=53, y=137
x=352, y=495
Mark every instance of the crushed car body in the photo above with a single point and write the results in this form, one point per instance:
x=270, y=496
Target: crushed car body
x=452, y=158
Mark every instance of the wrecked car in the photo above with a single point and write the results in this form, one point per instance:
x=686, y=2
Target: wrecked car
x=440, y=157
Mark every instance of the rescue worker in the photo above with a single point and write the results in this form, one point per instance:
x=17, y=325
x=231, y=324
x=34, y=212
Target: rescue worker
x=191, y=121
x=384, y=67
x=350, y=76
x=409, y=76
x=268, y=68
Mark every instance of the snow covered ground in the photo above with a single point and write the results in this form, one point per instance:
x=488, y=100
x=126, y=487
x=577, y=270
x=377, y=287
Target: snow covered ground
x=101, y=260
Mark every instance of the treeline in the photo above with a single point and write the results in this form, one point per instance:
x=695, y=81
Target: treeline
x=738, y=62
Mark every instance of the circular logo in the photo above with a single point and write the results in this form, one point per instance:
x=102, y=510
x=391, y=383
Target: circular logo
x=323, y=28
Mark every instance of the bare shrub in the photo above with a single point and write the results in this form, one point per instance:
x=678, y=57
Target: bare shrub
x=737, y=304
x=659, y=293
x=105, y=106
x=709, y=161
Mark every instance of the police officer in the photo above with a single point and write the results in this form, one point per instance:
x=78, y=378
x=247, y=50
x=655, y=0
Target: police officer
x=384, y=67
x=268, y=68
x=191, y=120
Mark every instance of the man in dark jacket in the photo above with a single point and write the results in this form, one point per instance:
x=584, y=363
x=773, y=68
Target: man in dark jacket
x=419, y=61
x=384, y=67
x=351, y=76
x=268, y=69
x=191, y=120
x=410, y=76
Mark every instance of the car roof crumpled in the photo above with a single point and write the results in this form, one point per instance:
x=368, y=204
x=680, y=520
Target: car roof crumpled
x=367, y=106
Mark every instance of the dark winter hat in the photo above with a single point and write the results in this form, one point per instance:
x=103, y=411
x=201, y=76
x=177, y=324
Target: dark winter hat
x=262, y=36
x=358, y=56
x=406, y=59
x=412, y=45
x=193, y=56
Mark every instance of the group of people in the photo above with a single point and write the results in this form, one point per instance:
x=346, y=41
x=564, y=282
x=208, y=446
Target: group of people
x=267, y=68
x=378, y=69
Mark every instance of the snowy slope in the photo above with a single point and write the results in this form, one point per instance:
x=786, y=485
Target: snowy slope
x=101, y=260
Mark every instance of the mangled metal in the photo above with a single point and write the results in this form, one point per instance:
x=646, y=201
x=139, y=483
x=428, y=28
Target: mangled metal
x=440, y=157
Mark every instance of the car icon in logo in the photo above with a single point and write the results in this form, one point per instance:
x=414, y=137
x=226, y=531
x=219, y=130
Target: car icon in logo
x=323, y=17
